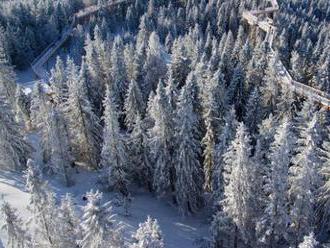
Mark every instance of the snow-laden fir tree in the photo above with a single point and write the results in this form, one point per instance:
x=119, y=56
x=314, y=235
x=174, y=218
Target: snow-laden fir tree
x=22, y=107
x=162, y=142
x=171, y=90
x=304, y=181
x=58, y=81
x=69, y=230
x=83, y=123
x=114, y=158
x=39, y=105
x=254, y=111
x=60, y=150
x=14, y=149
x=7, y=77
x=265, y=137
x=43, y=207
x=155, y=65
x=179, y=66
x=96, y=84
x=99, y=229
x=139, y=154
x=223, y=142
x=17, y=235
x=208, y=142
x=324, y=196
x=309, y=242
x=134, y=104
x=237, y=89
x=148, y=235
x=269, y=88
x=118, y=72
x=273, y=224
x=239, y=200
x=189, y=174
x=222, y=230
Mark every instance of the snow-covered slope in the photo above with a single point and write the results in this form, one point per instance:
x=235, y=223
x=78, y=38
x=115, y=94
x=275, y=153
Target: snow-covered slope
x=177, y=231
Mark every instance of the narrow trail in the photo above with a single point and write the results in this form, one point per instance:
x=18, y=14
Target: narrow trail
x=266, y=24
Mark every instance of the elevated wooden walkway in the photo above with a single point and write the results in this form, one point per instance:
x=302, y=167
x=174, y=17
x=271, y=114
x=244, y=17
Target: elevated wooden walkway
x=39, y=62
x=266, y=24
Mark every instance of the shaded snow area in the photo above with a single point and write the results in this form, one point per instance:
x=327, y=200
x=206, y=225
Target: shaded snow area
x=177, y=230
x=27, y=77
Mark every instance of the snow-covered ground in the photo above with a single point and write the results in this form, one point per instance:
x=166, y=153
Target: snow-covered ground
x=177, y=230
x=27, y=77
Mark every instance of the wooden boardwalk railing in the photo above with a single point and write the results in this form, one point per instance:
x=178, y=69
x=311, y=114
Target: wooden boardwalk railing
x=252, y=17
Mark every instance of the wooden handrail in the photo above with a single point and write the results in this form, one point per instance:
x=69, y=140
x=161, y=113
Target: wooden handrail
x=302, y=89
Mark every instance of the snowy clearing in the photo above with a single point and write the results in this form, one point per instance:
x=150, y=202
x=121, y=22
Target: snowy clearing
x=177, y=230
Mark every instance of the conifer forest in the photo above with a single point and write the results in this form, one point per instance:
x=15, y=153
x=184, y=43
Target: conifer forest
x=164, y=124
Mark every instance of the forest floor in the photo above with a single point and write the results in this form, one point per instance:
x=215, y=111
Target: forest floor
x=178, y=231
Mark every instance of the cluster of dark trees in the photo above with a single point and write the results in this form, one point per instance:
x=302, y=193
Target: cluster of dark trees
x=183, y=98
x=27, y=27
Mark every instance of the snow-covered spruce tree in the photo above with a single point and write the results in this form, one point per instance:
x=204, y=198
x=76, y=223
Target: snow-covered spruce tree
x=43, y=207
x=189, y=174
x=58, y=81
x=254, y=111
x=323, y=75
x=139, y=154
x=265, y=137
x=22, y=107
x=222, y=230
x=68, y=229
x=273, y=224
x=129, y=56
x=98, y=226
x=134, y=104
x=60, y=150
x=155, y=65
x=223, y=142
x=298, y=66
x=237, y=89
x=208, y=153
x=96, y=84
x=304, y=181
x=226, y=56
x=118, y=80
x=270, y=88
x=162, y=142
x=17, y=235
x=114, y=158
x=14, y=149
x=239, y=202
x=148, y=235
x=213, y=109
x=324, y=196
x=84, y=125
x=171, y=90
x=309, y=242
x=7, y=77
x=39, y=106
x=179, y=66
x=215, y=100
